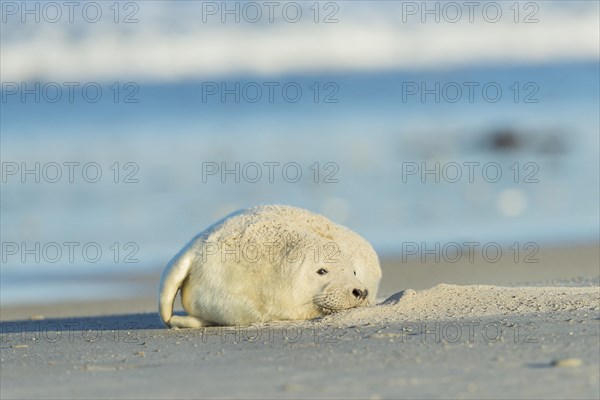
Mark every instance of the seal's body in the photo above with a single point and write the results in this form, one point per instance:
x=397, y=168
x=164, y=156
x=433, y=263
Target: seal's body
x=269, y=263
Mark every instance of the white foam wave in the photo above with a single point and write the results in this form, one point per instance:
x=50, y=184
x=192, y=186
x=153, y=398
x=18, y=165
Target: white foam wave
x=172, y=43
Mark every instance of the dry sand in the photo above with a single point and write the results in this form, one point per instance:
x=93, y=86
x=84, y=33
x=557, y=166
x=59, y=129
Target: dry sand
x=448, y=341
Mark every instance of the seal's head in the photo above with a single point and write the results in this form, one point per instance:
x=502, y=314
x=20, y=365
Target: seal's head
x=339, y=289
x=328, y=274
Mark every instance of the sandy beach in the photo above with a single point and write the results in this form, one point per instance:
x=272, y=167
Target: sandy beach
x=459, y=339
x=459, y=139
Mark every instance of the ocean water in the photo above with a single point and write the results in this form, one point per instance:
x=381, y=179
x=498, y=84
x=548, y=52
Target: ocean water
x=365, y=148
x=407, y=132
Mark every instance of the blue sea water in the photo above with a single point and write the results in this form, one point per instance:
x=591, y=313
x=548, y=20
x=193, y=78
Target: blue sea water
x=364, y=143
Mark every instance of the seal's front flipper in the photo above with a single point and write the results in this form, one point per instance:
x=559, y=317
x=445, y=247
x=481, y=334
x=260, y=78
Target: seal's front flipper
x=186, y=321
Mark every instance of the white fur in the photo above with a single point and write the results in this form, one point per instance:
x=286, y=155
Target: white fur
x=260, y=264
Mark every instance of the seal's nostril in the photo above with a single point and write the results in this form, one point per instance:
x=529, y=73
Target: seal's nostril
x=357, y=293
x=365, y=293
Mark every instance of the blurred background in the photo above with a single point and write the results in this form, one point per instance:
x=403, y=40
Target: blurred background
x=361, y=98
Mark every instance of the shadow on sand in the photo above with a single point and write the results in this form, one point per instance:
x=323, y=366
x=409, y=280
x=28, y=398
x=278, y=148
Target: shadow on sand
x=98, y=323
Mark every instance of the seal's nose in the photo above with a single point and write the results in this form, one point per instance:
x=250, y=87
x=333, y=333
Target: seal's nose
x=360, y=294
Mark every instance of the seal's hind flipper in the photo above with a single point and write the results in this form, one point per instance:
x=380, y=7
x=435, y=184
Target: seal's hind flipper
x=172, y=279
x=186, y=321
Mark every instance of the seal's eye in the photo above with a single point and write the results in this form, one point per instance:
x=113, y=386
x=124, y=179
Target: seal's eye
x=322, y=271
